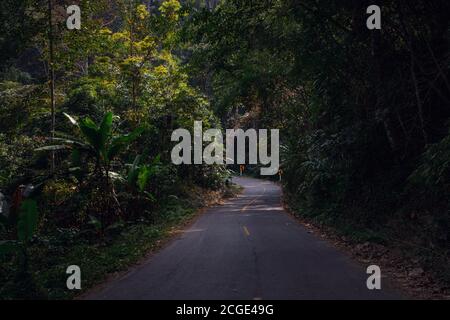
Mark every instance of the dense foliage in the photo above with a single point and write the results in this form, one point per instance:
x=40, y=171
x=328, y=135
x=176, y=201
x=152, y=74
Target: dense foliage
x=117, y=89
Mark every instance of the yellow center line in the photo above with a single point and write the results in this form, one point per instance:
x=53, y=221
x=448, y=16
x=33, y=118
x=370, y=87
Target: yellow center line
x=247, y=233
x=247, y=205
x=250, y=203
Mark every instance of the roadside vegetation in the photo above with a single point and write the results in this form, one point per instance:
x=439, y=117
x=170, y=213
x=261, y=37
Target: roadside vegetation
x=87, y=115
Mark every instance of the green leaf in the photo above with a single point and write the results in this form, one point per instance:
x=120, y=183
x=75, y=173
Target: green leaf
x=71, y=119
x=105, y=131
x=91, y=133
x=88, y=122
x=76, y=165
x=157, y=160
x=133, y=173
x=70, y=142
x=121, y=142
x=150, y=196
x=52, y=148
x=142, y=180
x=28, y=220
x=8, y=246
x=155, y=165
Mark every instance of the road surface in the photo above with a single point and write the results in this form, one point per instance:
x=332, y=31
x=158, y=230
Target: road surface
x=248, y=248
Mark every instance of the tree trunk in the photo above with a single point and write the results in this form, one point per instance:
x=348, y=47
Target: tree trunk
x=52, y=77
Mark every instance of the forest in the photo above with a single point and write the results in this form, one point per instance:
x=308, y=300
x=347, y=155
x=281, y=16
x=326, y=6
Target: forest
x=86, y=118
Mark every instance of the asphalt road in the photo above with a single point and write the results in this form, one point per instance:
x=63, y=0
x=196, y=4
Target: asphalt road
x=248, y=248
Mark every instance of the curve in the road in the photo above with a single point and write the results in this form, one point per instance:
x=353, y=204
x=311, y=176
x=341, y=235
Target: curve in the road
x=247, y=248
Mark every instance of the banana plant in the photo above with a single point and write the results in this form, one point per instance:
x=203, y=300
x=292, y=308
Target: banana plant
x=97, y=140
x=139, y=174
x=100, y=139
x=26, y=228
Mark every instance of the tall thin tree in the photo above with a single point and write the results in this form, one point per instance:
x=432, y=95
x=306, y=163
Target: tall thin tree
x=52, y=77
